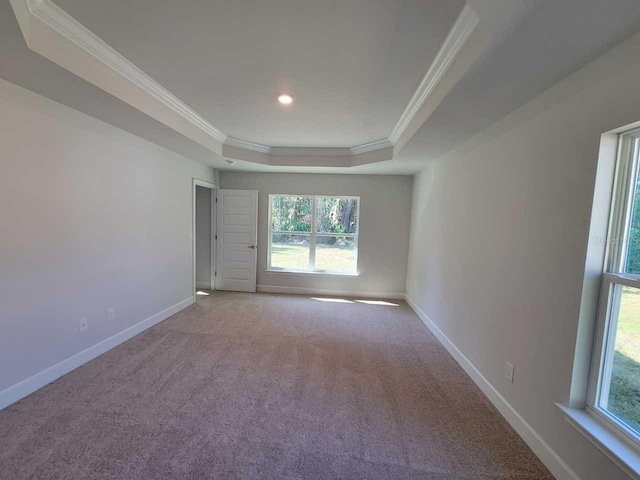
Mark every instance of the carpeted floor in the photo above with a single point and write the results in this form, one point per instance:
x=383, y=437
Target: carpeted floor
x=258, y=386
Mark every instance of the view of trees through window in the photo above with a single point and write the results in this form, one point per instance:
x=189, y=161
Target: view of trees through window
x=337, y=215
x=291, y=214
x=633, y=250
x=620, y=394
x=314, y=233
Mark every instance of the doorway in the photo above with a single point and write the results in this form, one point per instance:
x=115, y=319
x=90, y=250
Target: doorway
x=204, y=235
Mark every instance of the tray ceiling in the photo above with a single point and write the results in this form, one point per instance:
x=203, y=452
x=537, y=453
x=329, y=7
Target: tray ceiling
x=359, y=70
x=352, y=65
x=497, y=55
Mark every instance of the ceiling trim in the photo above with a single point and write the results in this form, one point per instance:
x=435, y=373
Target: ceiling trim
x=308, y=151
x=254, y=147
x=61, y=22
x=456, y=39
x=307, y=156
x=371, y=146
x=53, y=29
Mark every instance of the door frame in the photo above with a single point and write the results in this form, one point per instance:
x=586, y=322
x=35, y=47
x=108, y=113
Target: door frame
x=213, y=188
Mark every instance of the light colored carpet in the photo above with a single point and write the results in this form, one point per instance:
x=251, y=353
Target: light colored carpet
x=258, y=386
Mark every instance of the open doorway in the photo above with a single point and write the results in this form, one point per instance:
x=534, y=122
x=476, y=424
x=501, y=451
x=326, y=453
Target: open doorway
x=204, y=236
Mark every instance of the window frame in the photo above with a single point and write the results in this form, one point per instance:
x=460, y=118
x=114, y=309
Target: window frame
x=617, y=241
x=313, y=234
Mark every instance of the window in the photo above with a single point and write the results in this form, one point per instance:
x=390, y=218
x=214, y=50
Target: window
x=313, y=233
x=614, y=392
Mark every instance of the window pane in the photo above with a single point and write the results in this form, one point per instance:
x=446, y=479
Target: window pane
x=623, y=399
x=290, y=251
x=291, y=214
x=337, y=215
x=336, y=253
x=633, y=248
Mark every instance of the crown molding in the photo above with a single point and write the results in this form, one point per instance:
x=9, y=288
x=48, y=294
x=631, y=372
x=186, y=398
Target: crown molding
x=371, y=146
x=308, y=151
x=460, y=32
x=456, y=39
x=288, y=151
x=56, y=35
x=311, y=151
x=254, y=147
x=303, y=156
x=68, y=27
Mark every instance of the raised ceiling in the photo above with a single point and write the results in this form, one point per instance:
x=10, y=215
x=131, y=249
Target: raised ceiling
x=361, y=71
x=498, y=55
x=352, y=65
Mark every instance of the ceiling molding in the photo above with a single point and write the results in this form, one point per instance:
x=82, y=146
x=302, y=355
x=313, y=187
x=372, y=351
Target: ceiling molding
x=306, y=156
x=458, y=36
x=61, y=22
x=254, y=147
x=463, y=27
x=56, y=35
x=289, y=151
x=309, y=151
x=371, y=146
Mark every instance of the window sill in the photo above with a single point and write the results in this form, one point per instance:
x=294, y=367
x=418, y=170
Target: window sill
x=605, y=439
x=314, y=274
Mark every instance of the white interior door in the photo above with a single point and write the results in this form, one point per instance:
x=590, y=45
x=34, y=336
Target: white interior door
x=237, y=246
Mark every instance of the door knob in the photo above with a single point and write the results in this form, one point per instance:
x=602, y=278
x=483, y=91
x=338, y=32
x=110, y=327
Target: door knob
x=253, y=247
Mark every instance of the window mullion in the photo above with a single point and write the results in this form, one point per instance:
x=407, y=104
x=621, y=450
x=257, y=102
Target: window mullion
x=336, y=234
x=611, y=319
x=627, y=279
x=270, y=239
x=312, y=238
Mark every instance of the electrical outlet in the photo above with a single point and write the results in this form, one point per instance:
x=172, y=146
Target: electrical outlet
x=83, y=324
x=111, y=314
x=508, y=371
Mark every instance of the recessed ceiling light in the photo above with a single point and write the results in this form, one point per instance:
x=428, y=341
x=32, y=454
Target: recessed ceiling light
x=285, y=99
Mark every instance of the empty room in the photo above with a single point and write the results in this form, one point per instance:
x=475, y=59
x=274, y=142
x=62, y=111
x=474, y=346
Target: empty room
x=320, y=239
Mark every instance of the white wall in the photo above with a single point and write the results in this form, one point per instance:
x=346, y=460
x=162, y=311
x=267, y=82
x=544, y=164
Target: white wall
x=203, y=237
x=500, y=229
x=92, y=218
x=385, y=206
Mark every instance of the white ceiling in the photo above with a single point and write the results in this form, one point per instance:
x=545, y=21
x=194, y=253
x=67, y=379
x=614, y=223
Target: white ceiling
x=553, y=40
x=351, y=65
x=519, y=49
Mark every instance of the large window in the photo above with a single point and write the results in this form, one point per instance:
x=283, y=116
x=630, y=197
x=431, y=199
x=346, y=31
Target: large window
x=313, y=233
x=614, y=393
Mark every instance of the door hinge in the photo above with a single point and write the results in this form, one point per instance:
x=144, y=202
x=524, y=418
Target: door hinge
x=215, y=236
x=215, y=274
x=216, y=199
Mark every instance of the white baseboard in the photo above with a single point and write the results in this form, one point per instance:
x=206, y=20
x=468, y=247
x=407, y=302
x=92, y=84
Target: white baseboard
x=203, y=285
x=317, y=291
x=22, y=389
x=556, y=465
